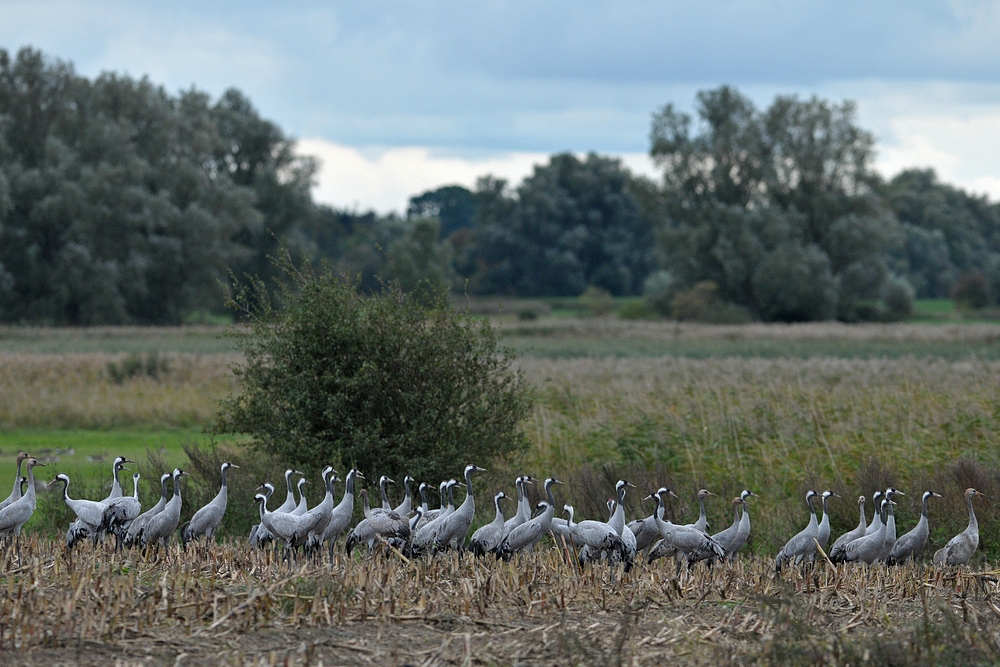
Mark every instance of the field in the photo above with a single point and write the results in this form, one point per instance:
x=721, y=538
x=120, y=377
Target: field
x=777, y=409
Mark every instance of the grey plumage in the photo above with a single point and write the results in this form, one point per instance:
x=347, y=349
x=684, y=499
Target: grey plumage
x=682, y=542
x=315, y=521
x=487, y=538
x=876, y=523
x=207, y=519
x=160, y=527
x=702, y=522
x=617, y=521
x=597, y=536
x=823, y=531
x=867, y=548
x=522, y=511
x=302, y=506
x=120, y=512
x=15, y=493
x=340, y=516
x=530, y=532
x=16, y=514
x=837, y=550
x=803, y=544
x=960, y=548
x=428, y=533
x=727, y=536
x=456, y=526
x=289, y=503
x=912, y=544
x=140, y=522
x=406, y=506
x=743, y=534
x=890, y=528
x=89, y=515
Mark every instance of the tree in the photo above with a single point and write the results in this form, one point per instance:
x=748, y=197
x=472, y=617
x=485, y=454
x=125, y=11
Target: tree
x=453, y=205
x=380, y=381
x=571, y=224
x=418, y=262
x=751, y=191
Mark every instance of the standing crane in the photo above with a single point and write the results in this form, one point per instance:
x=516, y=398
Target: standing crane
x=139, y=523
x=837, y=550
x=617, y=522
x=912, y=544
x=890, y=526
x=315, y=521
x=876, y=523
x=488, y=537
x=595, y=535
x=682, y=542
x=530, y=532
x=15, y=493
x=456, y=526
x=159, y=528
x=406, y=506
x=823, y=532
x=120, y=512
x=727, y=536
x=14, y=516
x=207, y=519
x=803, y=544
x=89, y=515
x=340, y=516
x=960, y=548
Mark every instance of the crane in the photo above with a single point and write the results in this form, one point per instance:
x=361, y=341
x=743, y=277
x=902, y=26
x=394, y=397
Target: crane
x=876, y=523
x=120, y=512
x=803, y=544
x=727, y=536
x=617, y=522
x=596, y=535
x=960, y=548
x=289, y=503
x=302, y=506
x=14, y=516
x=15, y=493
x=488, y=537
x=837, y=550
x=682, y=542
x=867, y=548
x=910, y=545
x=207, y=519
x=702, y=522
x=134, y=528
x=823, y=532
x=890, y=527
x=743, y=534
x=89, y=515
x=160, y=527
x=315, y=521
x=456, y=525
x=522, y=511
x=530, y=532
x=340, y=516
x=406, y=506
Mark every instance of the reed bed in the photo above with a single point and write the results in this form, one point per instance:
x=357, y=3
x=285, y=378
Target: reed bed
x=223, y=604
x=80, y=391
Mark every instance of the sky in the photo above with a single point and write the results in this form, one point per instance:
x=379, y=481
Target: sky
x=396, y=98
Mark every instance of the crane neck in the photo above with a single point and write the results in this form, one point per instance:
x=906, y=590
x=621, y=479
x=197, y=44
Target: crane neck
x=569, y=520
x=468, y=482
x=736, y=513
x=177, y=486
x=923, y=509
x=973, y=523
x=423, y=498
x=224, y=482
x=499, y=516
x=163, y=487
x=552, y=499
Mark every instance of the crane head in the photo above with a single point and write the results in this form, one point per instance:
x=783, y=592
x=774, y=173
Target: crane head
x=500, y=495
x=704, y=493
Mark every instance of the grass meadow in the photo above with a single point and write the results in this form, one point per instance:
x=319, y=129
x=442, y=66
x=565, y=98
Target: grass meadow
x=777, y=409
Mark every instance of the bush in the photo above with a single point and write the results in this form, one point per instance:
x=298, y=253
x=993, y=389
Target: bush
x=898, y=297
x=971, y=291
x=598, y=302
x=379, y=381
x=701, y=303
x=658, y=292
x=636, y=309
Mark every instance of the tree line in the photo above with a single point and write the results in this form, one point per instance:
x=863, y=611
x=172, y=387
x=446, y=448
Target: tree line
x=123, y=203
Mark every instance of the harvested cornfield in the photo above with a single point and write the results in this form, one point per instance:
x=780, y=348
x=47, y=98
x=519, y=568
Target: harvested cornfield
x=227, y=605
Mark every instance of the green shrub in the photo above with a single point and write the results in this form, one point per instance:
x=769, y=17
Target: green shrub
x=598, y=302
x=380, y=382
x=637, y=310
x=971, y=291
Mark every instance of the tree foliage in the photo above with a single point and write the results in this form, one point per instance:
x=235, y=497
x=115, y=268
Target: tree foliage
x=571, y=224
x=777, y=207
x=382, y=381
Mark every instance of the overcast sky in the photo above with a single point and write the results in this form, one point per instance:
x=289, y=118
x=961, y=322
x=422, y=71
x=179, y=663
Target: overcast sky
x=397, y=98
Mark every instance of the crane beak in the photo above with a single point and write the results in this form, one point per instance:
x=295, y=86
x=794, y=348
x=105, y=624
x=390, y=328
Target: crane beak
x=390, y=481
x=672, y=494
x=233, y=465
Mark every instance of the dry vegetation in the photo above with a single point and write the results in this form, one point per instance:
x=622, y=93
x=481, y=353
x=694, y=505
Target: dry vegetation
x=77, y=391
x=230, y=606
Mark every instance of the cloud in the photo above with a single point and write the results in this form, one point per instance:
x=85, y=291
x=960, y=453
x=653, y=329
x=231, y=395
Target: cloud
x=965, y=151
x=385, y=179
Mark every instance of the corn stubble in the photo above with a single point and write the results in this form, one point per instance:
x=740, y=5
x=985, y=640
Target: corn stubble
x=223, y=604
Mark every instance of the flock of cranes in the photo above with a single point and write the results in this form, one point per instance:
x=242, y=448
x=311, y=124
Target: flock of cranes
x=414, y=529
x=876, y=541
